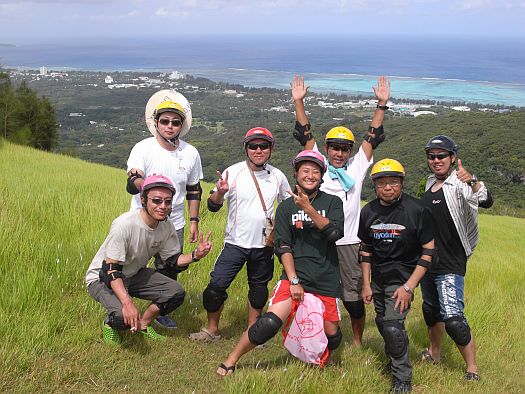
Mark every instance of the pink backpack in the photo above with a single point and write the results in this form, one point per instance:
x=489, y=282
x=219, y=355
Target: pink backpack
x=306, y=338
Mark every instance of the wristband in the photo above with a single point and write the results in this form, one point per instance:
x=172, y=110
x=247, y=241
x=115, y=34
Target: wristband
x=194, y=258
x=194, y=219
x=382, y=107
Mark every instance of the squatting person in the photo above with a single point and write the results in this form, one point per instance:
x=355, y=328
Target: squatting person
x=250, y=188
x=397, y=245
x=344, y=179
x=453, y=196
x=118, y=271
x=306, y=229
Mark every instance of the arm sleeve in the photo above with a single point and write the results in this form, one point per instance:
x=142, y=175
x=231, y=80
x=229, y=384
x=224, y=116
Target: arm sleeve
x=283, y=231
x=117, y=243
x=196, y=171
x=171, y=246
x=426, y=227
x=136, y=159
x=284, y=187
x=363, y=231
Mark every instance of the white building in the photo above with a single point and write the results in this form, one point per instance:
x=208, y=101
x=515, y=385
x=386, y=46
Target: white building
x=108, y=79
x=176, y=75
x=43, y=70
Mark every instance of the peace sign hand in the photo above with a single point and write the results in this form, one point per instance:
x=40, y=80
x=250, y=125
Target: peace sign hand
x=204, y=246
x=222, y=184
x=301, y=198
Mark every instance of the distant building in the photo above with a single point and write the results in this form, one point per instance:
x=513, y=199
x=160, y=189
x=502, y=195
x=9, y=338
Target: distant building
x=43, y=70
x=108, y=79
x=176, y=75
x=461, y=108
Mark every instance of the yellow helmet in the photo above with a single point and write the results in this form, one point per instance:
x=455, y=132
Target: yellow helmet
x=387, y=167
x=169, y=106
x=340, y=135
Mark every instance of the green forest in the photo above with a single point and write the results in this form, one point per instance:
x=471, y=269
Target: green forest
x=101, y=125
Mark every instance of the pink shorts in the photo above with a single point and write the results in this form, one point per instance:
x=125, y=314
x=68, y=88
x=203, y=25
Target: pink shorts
x=281, y=292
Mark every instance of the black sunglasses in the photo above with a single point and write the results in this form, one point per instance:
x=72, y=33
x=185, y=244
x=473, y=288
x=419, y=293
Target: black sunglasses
x=174, y=122
x=342, y=148
x=159, y=201
x=440, y=156
x=262, y=145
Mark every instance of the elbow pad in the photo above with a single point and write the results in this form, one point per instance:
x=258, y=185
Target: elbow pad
x=213, y=207
x=301, y=133
x=375, y=136
x=130, y=185
x=194, y=192
x=331, y=232
x=282, y=248
x=108, y=277
x=171, y=264
x=488, y=202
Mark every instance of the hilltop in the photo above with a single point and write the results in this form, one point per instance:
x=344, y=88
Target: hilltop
x=101, y=117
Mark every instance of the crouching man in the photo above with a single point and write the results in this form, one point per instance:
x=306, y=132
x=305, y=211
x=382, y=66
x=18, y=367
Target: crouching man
x=306, y=229
x=118, y=271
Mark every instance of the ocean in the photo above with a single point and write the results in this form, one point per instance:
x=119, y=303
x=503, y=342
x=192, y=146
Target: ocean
x=483, y=70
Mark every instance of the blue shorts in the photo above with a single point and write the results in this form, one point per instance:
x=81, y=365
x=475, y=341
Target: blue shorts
x=444, y=292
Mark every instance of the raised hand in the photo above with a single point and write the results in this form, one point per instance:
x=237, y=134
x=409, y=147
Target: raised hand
x=222, y=184
x=299, y=89
x=462, y=174
x=301, y=198
x=204, y=246
x=382, y=91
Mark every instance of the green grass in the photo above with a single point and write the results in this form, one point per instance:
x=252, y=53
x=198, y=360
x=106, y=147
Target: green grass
x=56, y=211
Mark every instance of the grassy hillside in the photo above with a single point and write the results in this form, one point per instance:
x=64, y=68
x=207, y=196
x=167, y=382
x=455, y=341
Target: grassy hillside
x=56, y=211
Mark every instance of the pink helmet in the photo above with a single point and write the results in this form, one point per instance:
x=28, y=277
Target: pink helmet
x=157, y=181
x=258, y=132
x=309, y=155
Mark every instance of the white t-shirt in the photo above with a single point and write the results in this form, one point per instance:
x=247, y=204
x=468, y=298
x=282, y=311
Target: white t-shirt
x=246, y=217
x=133, y=243
x=182, y=166
x=357, y=168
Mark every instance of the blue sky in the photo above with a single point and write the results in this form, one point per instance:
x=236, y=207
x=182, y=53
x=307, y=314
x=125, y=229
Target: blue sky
x=24, y=21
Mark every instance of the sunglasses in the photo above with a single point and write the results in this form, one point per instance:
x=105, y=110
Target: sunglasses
x=342, y=148
x=381, y=183
x=174, y=122
x=439, y=156
x=261, y=146
x=159, y=201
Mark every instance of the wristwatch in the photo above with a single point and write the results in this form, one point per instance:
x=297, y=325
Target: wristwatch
x=407, y=289
x=194, y=219
x=194, y=257
x=295, y=281
x=473, y=180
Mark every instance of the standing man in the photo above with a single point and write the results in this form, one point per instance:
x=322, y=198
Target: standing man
x=306, y=227
x=168, y=116
x=118, y=271
x=344, y=179
x=397, y=245
x=244, y=186
x=453, y=197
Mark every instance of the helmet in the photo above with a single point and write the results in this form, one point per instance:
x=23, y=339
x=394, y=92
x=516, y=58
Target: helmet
x=309, y=155
x=169, y=106
x=442, y=142
x=340, y=135
x=258, y=132
x=387, y=167
x=157, y=181
x=164, y=101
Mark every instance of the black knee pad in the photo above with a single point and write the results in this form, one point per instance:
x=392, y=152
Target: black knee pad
x=334, y=340
x=379, y=324
x=213, y=298
x=431, y=315
x=172, y=304
x=116, y=321
x=396, y=339
x=458, y=329
x=356, y=309
x=264, y=329
x=258, y=295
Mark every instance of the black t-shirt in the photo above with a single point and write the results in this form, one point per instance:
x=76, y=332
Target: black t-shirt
x=315, y=258
x=451, y=257
x=396, y=233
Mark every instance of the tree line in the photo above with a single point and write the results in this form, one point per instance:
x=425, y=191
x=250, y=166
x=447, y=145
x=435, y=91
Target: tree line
x=26, y=118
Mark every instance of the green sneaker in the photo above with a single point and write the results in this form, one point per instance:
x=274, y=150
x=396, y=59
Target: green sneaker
x=110, y=335
x=150, y=333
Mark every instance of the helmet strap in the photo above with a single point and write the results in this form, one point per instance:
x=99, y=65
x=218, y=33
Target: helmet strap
x=174, y=142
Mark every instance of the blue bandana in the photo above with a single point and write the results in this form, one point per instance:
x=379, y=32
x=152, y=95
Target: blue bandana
x=340, y=173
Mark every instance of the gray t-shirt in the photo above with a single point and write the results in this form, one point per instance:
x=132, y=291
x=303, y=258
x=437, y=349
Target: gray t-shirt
x=133, y=243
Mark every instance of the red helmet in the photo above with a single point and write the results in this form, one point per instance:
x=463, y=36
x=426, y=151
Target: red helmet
x=310, y=155
x=258, y=132
x=157, y=181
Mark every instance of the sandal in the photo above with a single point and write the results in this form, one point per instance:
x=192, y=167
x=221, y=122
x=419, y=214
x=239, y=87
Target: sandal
x=204, y=335
x=227, y=370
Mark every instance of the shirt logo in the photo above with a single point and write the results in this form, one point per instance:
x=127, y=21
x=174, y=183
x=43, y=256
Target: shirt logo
x=436, y=202
x=300, y=216
x=387, y=230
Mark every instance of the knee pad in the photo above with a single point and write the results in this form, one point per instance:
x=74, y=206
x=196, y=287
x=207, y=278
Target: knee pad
x=213, y=298
x=458, y=329
x=258, y=295
x=431, y=315
x=264, y=328
x=334, y=340
x=172, y=304
x=379, y=324
x=396, y=339
x=116, y=321
x=356, y=309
